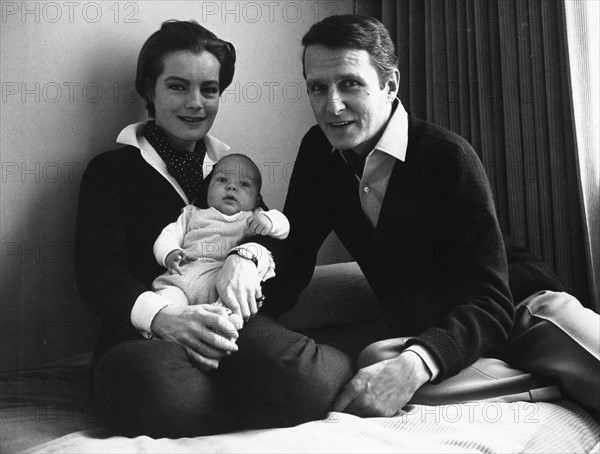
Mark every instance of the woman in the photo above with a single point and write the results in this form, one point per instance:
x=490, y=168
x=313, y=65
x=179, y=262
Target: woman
x=170, y=389
x=127, y=196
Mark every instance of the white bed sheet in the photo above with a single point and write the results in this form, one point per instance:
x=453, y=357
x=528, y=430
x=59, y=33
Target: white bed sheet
x=490, y=427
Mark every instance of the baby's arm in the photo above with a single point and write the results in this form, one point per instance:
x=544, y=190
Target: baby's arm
x=170, y=239
x=273, y=223
x=175, y=258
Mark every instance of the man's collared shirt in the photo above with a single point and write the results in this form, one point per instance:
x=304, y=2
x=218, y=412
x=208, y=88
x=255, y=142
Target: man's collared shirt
x=379, y=163
x=373, y=183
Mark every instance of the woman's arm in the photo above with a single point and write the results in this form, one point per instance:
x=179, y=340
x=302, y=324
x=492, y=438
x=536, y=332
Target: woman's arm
x=105, y=282
x=105, y=262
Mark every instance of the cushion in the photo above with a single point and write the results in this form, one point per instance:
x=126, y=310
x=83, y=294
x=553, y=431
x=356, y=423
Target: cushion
x=557, y=338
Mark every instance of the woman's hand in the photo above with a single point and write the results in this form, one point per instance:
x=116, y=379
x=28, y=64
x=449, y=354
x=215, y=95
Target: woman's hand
x=237, y=285
x=204, y=330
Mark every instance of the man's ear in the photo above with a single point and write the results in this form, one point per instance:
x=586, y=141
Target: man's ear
x=393, y=84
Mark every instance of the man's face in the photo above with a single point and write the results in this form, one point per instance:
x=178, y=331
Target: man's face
x=346, y=97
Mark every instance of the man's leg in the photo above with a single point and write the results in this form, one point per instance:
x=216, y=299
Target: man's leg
x=281, y=378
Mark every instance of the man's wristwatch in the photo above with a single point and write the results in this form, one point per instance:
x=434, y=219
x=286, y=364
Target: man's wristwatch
x=245, y=254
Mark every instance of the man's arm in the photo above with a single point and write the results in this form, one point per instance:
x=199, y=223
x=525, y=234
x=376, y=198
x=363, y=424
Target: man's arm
x=480, y=308
x=479, y=305
x=310, y=223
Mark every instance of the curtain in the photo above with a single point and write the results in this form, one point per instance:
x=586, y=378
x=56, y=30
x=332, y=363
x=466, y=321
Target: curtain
x=583, y=37
x=496, y=72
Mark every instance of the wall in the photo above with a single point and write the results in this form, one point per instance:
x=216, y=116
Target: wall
x=67, y=90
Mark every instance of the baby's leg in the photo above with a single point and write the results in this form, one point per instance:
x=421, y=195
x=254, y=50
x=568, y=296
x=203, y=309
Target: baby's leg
x=173, y=293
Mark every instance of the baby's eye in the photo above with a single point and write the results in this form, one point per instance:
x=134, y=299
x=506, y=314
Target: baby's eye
x=245, y=184
x=220, y=179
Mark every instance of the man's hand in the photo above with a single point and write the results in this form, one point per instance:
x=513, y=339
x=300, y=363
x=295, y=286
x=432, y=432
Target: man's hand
x=259, y=223
x=175, y=258
x=237, y=285
x=383, y=388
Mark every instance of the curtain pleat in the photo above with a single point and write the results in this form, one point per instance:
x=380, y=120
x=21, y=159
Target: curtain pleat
x=496, y=72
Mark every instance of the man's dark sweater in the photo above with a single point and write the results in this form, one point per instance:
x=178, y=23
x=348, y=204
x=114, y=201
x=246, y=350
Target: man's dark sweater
x=435, y=260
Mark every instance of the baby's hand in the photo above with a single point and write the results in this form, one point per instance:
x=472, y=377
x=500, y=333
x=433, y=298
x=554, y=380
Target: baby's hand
x=174, y=258
x=259, y=223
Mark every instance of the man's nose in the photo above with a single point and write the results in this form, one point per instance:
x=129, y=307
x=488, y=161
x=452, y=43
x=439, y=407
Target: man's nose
x=334, y=104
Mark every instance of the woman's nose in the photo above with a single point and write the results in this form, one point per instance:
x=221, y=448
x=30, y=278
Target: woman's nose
x=195, y=100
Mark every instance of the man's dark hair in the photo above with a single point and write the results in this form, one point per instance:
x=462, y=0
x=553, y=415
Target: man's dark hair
x=355, y=32
x=176, y=36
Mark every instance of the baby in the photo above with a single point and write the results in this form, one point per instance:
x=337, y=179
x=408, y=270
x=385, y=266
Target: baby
x=194, y=247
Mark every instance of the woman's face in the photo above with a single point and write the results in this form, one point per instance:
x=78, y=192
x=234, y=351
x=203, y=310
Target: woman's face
x=186, y=97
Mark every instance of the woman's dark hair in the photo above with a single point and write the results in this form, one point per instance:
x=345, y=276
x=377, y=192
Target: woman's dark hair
x=176, y=36
x=355, y=32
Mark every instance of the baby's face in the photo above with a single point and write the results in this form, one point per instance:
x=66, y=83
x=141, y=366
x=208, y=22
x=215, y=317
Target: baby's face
x=233, y=186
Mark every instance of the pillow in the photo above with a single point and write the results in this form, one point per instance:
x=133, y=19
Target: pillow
x=558, y=339
x=338, y=294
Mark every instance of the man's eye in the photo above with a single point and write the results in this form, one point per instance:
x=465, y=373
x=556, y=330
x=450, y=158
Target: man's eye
x=315, y=88
x=349, y=83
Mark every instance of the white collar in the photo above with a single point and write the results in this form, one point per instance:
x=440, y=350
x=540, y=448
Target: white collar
x=394, y=140
x=133, y=135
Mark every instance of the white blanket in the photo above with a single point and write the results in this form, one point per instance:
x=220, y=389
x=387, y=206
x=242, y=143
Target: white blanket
x=471, y=427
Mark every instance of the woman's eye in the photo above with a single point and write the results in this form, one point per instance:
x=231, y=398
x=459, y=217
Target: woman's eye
x=176, y=87
x=210, y=91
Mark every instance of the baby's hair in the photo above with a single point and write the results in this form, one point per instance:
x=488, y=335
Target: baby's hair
x=200, y=201
x=251, y=165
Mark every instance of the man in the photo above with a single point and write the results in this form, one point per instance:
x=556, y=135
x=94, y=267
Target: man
x=411, y=203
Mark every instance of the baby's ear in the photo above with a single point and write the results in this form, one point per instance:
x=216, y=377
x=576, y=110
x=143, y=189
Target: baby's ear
x=260, y=203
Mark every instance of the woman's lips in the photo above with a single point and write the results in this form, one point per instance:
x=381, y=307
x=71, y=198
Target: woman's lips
x=192, y=119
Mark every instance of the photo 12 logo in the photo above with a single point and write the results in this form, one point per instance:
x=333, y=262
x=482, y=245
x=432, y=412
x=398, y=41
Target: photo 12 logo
x=70, y=12
x=55, y=92
x=266, y=12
